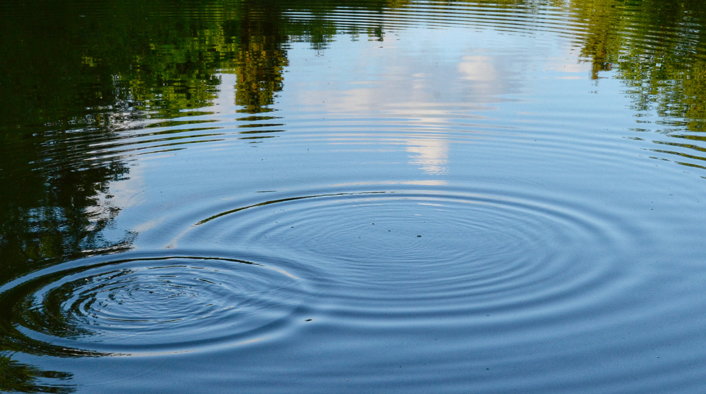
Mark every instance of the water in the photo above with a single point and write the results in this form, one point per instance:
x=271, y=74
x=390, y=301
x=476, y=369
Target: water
x=360, y=196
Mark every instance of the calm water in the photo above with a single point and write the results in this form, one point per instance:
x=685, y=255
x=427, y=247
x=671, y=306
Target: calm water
x=354, y=196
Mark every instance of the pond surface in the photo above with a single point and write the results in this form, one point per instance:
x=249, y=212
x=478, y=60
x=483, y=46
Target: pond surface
x=353, y=196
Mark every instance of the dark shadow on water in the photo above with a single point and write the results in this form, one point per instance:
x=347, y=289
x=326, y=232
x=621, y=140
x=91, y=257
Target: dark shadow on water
x=18, y=377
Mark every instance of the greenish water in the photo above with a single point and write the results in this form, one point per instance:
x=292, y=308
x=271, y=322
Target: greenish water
x=388, y=196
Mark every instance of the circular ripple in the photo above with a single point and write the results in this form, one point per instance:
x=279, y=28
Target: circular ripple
x=425, y=253
x=148, y=304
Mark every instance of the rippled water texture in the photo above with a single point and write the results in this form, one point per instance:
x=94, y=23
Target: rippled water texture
x=159, y=304
x=379, y=196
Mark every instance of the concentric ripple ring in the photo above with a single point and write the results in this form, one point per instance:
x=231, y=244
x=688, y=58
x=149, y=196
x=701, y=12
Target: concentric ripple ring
x=150, y=303
x=416, y=254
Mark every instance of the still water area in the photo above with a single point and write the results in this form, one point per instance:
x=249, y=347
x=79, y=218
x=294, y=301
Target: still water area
x=390, y=196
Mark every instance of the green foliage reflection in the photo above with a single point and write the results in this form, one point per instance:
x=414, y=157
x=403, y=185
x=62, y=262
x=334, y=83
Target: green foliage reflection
x=18, y=377
x=75, y=75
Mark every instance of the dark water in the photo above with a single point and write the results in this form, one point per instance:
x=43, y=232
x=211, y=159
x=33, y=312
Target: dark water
x=353, y=196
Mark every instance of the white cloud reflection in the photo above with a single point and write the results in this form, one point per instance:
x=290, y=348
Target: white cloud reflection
x=478, y=68
x=431, y=155
x=420, y=98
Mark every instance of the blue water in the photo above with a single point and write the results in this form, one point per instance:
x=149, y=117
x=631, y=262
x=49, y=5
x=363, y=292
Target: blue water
x=371, y=197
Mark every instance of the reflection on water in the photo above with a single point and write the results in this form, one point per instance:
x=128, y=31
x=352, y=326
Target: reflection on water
x=430, y=154
x=434, y=171
x=658, y=51
x=17, y=377
x=146, y=305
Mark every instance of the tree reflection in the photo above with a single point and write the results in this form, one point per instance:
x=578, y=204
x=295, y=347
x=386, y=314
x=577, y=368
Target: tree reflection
x=24, y=378
x=602, y=42
x=658, y=50
x=74, y=76
x=261, y=58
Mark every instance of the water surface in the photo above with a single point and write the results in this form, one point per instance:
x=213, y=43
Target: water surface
x=357, y=196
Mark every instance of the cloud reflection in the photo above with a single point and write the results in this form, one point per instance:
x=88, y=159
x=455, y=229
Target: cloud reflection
x=422, y=104
x=431, y=155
